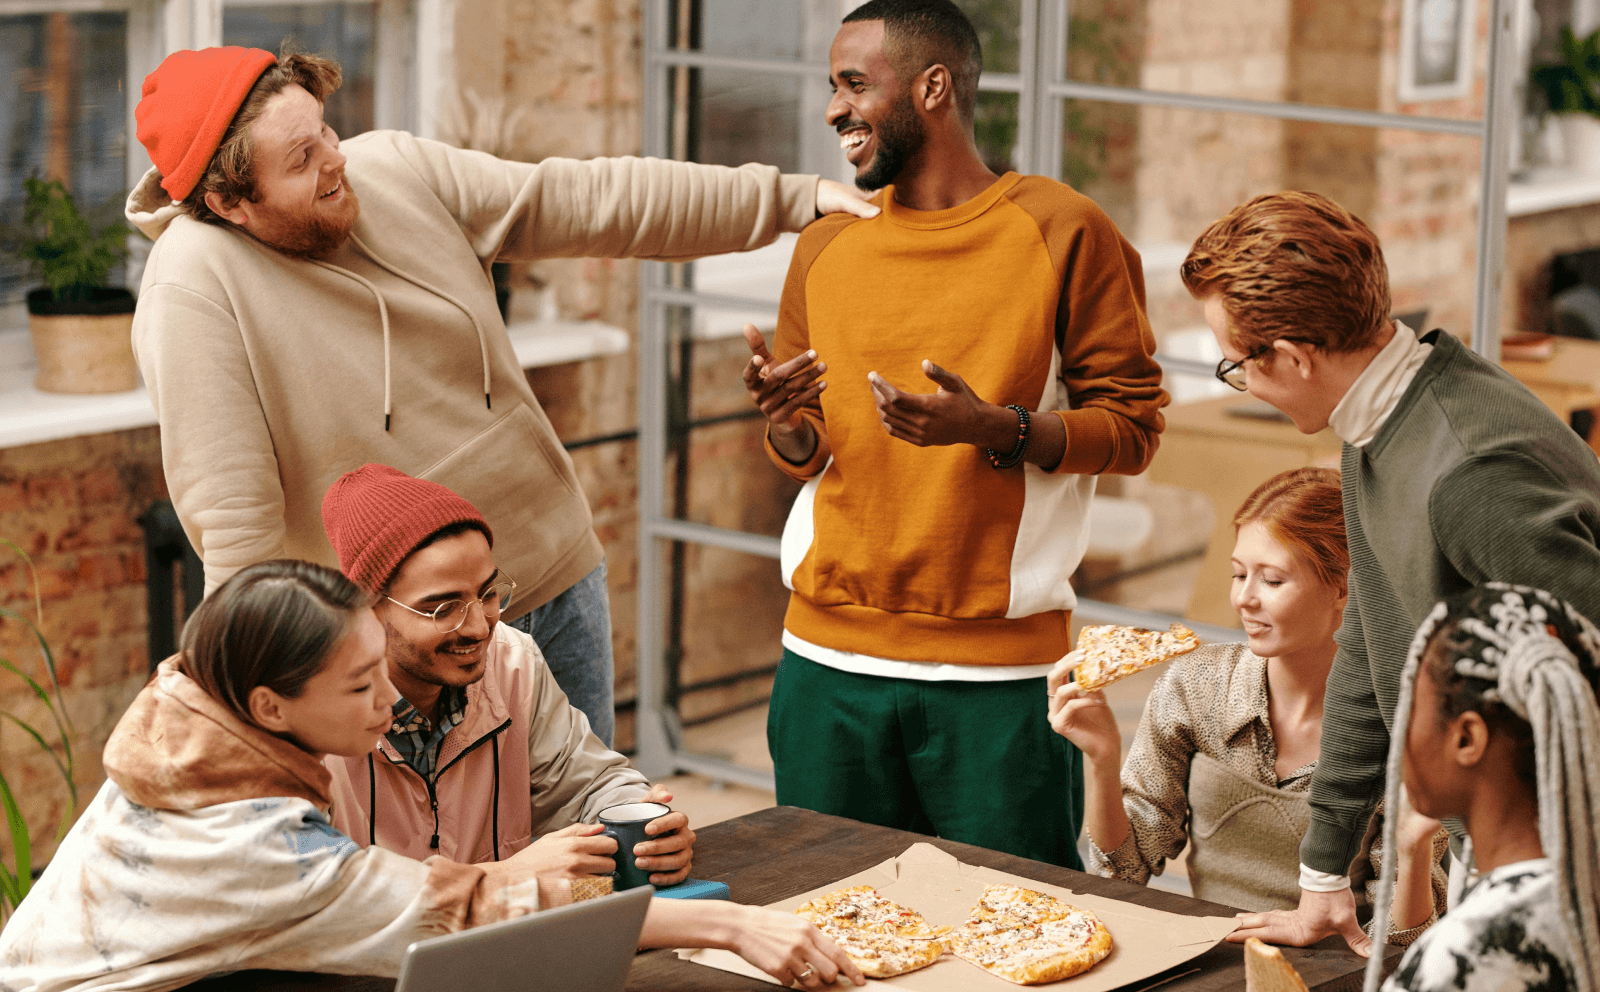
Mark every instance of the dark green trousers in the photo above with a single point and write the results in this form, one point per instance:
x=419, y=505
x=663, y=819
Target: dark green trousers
x=974, y=762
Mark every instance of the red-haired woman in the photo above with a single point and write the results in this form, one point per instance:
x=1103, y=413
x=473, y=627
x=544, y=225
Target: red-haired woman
x=1231, y=733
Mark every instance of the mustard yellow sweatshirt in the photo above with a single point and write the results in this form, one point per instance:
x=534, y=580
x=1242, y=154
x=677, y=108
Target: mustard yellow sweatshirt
x=1029, y=293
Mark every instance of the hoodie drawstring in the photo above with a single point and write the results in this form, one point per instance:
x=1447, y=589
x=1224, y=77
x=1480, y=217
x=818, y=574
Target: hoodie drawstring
x=383, y=315
x=483, y=338
x=494, y=817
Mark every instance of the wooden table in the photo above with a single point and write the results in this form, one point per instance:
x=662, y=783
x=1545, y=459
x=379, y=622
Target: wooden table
x=1567, y=381
x=1208, y=449
x=782, y=852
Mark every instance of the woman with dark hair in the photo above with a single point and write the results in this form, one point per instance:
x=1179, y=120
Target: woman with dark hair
x=1231, y=733
x=1497, y=724
x=209, y=848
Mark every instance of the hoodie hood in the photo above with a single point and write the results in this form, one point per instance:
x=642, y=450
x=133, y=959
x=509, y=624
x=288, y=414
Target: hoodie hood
x=150, y=208
x=177, y=748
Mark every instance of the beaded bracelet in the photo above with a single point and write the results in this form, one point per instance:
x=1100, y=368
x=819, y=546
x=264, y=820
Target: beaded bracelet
x=1015, y=457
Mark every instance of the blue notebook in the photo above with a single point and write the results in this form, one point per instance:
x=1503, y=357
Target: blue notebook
x=694, y=888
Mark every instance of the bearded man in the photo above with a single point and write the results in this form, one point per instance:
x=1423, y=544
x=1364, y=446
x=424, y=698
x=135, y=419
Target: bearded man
x=311, y=306
x=931, y=547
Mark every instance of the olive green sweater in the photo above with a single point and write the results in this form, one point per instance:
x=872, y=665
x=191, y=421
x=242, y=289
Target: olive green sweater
x=1471, y=479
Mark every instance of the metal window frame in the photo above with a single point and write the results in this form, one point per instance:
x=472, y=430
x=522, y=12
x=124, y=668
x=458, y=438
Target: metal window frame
x=1041, y=87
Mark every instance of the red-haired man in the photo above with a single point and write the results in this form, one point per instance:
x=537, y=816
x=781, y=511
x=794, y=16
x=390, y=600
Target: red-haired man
x=1453, y=475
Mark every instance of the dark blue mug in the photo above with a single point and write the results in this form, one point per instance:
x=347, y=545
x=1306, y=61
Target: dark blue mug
x=625, y=824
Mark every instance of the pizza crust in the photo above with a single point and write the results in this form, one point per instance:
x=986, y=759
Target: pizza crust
x=1267, y=970
x=882, y=956
x=1112, y=651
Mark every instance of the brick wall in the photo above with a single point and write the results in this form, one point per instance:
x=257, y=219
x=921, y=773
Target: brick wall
x=73, y=506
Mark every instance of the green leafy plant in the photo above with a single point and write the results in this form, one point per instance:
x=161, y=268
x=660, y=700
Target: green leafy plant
x=73, y=254
x=15, y=880
x=1573, y=86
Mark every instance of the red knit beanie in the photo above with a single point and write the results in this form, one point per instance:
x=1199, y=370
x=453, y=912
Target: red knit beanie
x=377, y=515
x=186, y=106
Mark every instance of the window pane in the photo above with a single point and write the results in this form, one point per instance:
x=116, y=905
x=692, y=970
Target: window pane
x=1334, y=54
x=343, y=32
x=746, y=28
x=995, y=125
x=726, y=117
x=62, y=115
x=1417, y=191
x=998, y=22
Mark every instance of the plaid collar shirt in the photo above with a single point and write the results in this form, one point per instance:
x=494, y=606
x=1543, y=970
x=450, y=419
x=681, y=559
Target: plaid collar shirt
x=417, y=738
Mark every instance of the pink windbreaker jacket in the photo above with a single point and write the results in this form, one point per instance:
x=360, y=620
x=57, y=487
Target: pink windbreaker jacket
x=522, y=762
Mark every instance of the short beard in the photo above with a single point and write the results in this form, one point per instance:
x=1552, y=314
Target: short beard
x=900, y=136
x=308, y=233
x=421, y=665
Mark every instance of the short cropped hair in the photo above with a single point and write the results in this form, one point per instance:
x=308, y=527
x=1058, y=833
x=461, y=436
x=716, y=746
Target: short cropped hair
x=1293, y=265
x=231, y=172
x=921, y=33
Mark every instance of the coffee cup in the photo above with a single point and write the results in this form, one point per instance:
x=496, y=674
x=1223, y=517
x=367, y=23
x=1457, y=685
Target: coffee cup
x=625, y=824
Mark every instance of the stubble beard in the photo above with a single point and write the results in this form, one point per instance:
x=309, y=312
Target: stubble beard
x=309, y=232
x=432, y=667
x=900, y=136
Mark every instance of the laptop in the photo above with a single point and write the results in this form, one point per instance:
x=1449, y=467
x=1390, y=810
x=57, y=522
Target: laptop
x=585, y=947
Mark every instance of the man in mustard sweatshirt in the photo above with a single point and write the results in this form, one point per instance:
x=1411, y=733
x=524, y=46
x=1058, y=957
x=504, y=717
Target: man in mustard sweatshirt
x=311, y=306
x=930, y=549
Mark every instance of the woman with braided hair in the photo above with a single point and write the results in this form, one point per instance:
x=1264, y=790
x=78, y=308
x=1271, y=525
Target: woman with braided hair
x=1497, y=713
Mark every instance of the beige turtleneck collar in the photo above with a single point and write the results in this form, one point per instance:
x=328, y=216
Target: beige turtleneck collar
x=1377, y=390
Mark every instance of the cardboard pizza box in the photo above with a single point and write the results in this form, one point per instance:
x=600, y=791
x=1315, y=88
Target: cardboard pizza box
x=1145, y=942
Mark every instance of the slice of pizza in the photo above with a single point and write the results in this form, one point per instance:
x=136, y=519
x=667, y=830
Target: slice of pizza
x=1033, y=953
x=1113, y=652
x=880, y=955
x=1267, y=970
x=861, y=908
x=1012, y=904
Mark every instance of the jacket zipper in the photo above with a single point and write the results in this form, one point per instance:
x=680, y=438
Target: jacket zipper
x=433, y=795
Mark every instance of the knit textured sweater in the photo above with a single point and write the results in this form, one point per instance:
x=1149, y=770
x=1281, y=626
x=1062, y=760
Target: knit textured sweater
x=1471, y=479
x=1029, y=293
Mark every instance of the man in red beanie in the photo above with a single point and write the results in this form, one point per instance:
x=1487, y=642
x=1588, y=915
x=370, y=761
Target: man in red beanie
x=289, y=330
x=485, y=752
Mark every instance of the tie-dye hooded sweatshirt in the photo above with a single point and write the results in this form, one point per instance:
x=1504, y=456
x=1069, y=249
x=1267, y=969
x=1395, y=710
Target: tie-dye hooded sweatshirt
x=209, y=849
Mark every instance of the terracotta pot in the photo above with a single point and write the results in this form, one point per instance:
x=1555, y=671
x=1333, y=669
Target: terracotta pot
x=83, y=346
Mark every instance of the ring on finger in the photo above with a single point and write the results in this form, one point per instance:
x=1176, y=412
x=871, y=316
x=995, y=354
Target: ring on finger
x=805, y=974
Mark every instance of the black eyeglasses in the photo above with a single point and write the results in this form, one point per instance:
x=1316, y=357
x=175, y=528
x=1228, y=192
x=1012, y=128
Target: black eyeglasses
x=1233, y=373
x=448, y=616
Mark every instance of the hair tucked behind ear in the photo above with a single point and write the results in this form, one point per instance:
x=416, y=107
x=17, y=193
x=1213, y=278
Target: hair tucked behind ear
x=1529, y=664
x=272, y=624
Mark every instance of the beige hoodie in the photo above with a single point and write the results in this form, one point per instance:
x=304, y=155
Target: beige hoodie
x=209, y=849
x=272, y=376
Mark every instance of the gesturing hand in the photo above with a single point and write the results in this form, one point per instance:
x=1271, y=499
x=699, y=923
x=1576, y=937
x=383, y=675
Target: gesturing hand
x=953, y=414
x=1319, y=914
x=669, y=857
x=779, y=391
x=1083, y=716
x=571, y=852
x=837, y=198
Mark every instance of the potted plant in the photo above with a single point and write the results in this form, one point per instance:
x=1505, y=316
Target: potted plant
x=16, y=880
x=1572, y=89
x=82, y=328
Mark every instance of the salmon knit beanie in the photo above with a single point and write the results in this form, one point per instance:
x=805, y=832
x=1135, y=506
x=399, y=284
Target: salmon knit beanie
x=377, y=515
x=186, y=106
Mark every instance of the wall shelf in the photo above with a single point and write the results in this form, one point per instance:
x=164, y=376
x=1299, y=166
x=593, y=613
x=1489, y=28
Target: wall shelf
x=1546, y=190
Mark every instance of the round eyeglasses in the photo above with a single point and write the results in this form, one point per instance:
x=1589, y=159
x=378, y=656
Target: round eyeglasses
x=448, y=616
x=1233, y=373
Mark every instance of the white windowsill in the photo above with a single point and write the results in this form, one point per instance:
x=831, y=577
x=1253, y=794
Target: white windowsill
x=1551, y=189
x=28, y=416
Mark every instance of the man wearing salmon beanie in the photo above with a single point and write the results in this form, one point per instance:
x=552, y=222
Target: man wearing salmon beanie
x=485, y=752
x=288, y=331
